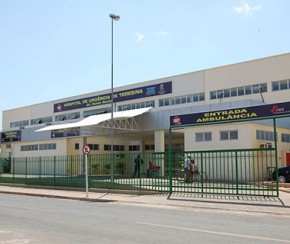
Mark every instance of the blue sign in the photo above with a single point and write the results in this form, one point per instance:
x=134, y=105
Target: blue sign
x=228, y=115
x=11, y=136
x=134, y=93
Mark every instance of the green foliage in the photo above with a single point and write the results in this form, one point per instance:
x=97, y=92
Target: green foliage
x=95, y=168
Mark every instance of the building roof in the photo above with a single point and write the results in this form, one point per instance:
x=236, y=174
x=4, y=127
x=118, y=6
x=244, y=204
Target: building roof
x=122, y=119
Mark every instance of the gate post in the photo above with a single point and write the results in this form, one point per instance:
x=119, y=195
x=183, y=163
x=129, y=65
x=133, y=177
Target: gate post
x=26, y=168
x=237, y=173
x=202, y=170
x=170, y=160
x=276, y=156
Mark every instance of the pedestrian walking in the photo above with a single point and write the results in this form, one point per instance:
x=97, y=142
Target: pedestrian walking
x=138, y=162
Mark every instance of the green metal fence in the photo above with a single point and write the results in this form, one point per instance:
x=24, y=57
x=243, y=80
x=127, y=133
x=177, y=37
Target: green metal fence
x=230, y=172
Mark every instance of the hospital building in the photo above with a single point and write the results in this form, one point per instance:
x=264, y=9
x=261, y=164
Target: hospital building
x=227, y=107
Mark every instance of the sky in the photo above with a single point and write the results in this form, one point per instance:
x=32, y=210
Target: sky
x=53, y=49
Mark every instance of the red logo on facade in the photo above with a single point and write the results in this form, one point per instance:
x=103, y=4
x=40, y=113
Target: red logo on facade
x=59, y=107
x=276, y=110
x=176, y=120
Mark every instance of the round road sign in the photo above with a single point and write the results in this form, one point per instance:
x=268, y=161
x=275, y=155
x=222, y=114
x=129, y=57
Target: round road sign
x=86, y=149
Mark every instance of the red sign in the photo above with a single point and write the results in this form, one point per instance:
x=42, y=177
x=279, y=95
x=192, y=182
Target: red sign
x=86, y=149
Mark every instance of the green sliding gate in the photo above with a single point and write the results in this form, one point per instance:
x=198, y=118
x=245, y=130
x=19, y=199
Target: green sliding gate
x=227, y=172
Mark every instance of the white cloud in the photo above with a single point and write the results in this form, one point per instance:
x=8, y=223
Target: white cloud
x=163, y=33
x=139, y=36
x=246, y=9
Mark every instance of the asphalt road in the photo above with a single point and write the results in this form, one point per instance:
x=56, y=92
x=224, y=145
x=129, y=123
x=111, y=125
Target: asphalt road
x=26, y=219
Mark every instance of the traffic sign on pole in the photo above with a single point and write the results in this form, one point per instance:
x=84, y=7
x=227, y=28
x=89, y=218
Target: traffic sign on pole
x=86, y=149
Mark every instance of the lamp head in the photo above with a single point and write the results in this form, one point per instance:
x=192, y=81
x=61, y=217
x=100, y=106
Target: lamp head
x=114, y=17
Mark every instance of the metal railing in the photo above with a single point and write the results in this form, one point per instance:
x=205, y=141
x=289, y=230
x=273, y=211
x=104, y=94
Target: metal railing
x=227, y=172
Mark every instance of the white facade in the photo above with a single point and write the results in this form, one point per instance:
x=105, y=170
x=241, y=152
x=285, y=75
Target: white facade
x=257, y=82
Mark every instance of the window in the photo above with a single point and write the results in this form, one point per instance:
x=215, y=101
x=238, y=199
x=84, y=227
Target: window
x=107, y=147
x=281, y=85
x=29, y=148
x=195, y=98
x=263, y=87
x=213, y=95
x=220, y=94
x=224, y=135
x=207, y=136
x=198, y=137
x=181, y=100
x=166, y=102
x=119, y=148
x=77, y=146
x=264, y=135
x=201, y=96
x=47, y=146
x=275, y=86
x=285, y=137
x=94, y=147
x=150, y=147
x=41, y=120
x=239, y=91
x=256, y=89
x=137, y=105
x=35, y=147
x=234, y=135
x=149, y=104
x=96, y=111
x=74, y=116
x=64, y=117
x=125, y=107
x=60, y=117
x=227, y=93
x=203, y=136
x=248, y=90
x=115, y=148
x=229, y=135
x=134, y=148
x=19, y=123
x=234, y=92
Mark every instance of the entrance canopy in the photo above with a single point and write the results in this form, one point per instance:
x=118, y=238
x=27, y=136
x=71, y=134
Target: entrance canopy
x=122, y=120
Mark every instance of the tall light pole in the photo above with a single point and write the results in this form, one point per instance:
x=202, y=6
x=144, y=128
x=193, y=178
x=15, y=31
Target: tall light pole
x=113, y=18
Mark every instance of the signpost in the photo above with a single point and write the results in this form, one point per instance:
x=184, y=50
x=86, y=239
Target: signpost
x=86, y=152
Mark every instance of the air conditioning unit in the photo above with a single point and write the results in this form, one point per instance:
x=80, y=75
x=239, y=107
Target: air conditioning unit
x=266, y=145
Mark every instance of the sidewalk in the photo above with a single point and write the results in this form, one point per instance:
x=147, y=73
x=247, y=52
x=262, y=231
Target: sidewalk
x=243, y=204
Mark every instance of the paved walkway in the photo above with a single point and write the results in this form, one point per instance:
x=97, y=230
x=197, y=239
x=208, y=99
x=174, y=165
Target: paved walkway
x=242, y=204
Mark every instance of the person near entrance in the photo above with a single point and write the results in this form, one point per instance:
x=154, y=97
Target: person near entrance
x=152, y=170
x=188, y=169
x=138, y=161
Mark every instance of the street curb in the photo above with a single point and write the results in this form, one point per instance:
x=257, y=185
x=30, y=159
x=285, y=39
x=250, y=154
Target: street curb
x=224, y=209
x=57, y=196
x=78, y=189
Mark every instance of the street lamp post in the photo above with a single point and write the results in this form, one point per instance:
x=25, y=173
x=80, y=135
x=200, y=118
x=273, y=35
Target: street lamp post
x=113, y=18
